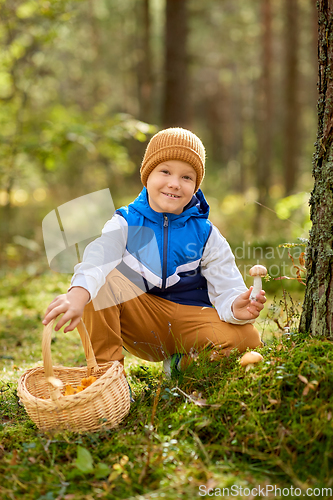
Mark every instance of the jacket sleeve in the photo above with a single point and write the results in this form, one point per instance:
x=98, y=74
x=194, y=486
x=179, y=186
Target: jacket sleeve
x=224, y=280
x=101, y=256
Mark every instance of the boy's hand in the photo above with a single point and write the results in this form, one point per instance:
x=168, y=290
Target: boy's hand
x=246, y=309
x=71, y=305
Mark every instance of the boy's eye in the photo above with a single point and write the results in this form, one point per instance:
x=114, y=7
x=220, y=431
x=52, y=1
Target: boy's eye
x=187, y=177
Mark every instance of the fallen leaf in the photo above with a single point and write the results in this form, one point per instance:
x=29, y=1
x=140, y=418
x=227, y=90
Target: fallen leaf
x=114, y=474
x=101, y=470
x=84, y=461
x=301, y=259
x=303, y=379
x=123, y=461
x=211, y=484
x=306, y=390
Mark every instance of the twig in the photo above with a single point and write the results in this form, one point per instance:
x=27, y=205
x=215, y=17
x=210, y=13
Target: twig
x=196, y=401
x=150, y=430
x=201, y=446
x=286, y=306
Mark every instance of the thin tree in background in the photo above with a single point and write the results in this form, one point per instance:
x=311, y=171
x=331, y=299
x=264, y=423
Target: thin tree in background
x=291, y=91
x=265, y=113
x=176, y=87
x=144, y=69
x=96, y=49
x=317, y=315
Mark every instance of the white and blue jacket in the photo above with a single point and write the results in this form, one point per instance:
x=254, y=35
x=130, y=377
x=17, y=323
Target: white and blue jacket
x=179, y=257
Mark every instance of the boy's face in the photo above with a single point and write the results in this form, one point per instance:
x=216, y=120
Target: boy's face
x=171, y=186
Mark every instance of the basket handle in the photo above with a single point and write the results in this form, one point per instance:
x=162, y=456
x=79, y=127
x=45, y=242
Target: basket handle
x=47, y=359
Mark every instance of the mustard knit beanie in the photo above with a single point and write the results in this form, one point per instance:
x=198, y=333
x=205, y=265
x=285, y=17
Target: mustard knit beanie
x=174, y=144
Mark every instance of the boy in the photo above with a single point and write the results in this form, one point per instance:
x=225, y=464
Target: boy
x=161, y=281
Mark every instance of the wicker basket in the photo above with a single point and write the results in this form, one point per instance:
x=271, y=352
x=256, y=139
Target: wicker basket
x=105, y=402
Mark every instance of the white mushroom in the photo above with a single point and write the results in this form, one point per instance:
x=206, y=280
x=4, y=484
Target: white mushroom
x=55, y=382
x=257, y=272
x=250, y=358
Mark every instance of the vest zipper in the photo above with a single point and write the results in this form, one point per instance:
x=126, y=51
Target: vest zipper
x=165, y=250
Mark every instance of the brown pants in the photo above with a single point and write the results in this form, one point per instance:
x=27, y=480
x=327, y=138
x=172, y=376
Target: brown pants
x=153, y=328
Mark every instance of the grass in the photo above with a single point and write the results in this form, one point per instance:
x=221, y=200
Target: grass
x=215, y=426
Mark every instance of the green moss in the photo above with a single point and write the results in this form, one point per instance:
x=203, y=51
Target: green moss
x=248, y=427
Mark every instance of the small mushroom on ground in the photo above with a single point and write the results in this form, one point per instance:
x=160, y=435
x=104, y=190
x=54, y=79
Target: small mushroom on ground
x=257, y=272
x=250, y=358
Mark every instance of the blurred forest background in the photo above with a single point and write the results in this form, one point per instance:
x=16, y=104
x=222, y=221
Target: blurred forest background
x=84, y=84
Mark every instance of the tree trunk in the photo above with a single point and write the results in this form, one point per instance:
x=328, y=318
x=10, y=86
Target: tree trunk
x=291, y=121
x=175, y=105
x=144, y=69
x=265, y=114
x=212, y=110
x=96, y=47
x=317, y=315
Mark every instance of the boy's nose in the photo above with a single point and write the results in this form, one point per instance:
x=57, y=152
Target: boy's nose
x=174, y=182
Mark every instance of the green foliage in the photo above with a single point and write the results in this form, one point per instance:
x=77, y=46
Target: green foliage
x=71, y=121
x=215, y=425
x=53, y=145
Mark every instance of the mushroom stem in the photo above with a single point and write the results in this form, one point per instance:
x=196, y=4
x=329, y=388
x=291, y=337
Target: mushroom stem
x=257, y=272
x=257, y=286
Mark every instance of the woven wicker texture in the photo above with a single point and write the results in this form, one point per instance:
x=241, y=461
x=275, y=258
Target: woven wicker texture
x=105, y=402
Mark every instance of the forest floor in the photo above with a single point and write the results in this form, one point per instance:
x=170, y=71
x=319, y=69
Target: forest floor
x=214, y=431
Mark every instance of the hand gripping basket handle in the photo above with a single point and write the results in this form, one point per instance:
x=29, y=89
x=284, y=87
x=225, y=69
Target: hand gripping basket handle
x=47, y=360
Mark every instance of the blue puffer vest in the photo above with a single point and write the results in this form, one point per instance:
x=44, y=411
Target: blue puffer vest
x=164, y=250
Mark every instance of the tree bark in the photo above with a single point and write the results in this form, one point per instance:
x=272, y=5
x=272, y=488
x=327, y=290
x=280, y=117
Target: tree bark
x=291, y=121
x=317, y=314
x=176, y=88
x=144, y=69
x=265, y=107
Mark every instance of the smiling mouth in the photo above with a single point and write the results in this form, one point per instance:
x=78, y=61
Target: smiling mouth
x=169, y=195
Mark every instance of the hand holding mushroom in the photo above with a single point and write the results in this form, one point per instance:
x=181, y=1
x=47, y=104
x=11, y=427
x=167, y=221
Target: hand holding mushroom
x=248, y=305
x=257, y=272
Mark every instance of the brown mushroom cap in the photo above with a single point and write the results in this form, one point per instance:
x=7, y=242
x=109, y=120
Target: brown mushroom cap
x=251, y=358
x=258, y=270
